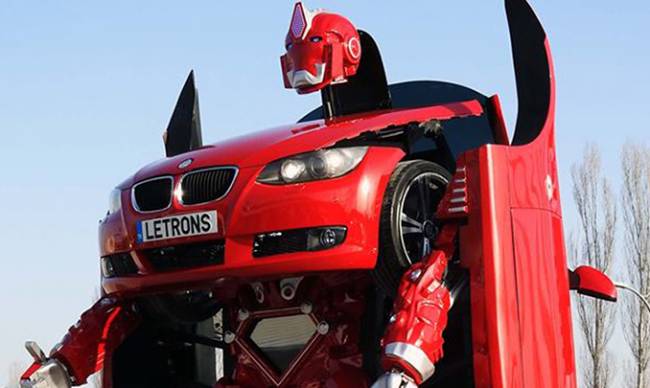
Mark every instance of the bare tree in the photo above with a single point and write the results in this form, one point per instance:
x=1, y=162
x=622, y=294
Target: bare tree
x=597, y=210
x=635, y=162
x=15, y=370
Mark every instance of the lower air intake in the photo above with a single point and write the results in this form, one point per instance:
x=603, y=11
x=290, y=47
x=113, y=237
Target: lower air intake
x=186, y=256
x=118, y=265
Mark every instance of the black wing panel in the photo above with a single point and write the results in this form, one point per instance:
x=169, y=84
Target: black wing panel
x=418, y=94
x=184, y=128
x=533, y=70
x=366, y=91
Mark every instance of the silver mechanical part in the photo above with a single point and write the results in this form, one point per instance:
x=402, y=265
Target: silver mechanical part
x=51, y=375
x=643, y=298
x=258, y=289
x=35, y=351
x=229, y=337
x=456, y=289
x=394, y=379
x=306, y=308
x=56, y=348
x=393, y=318
x=243, y=315
x=289, y=287
x=323, y=328
x=413, y=355
x=415, y=275
x=419, y=224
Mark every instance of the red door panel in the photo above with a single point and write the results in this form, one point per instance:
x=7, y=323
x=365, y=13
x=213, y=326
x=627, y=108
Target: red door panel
x=543, y=299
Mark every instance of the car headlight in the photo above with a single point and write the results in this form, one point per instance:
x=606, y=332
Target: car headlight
x=323, y=164
x=115, y=201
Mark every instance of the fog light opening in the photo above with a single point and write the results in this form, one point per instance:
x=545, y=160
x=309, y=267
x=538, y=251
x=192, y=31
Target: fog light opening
x=107, y=267
x=327, y=238
x=298, y=240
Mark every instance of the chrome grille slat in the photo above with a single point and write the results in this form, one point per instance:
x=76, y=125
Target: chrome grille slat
x=207, y=185
x=199, y=186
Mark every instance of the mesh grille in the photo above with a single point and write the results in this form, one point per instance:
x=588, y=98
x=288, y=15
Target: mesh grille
x=207, y=185
x=282, y=339
x=152, y=195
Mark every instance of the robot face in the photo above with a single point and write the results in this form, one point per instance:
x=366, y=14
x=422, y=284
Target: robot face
x=322, y=49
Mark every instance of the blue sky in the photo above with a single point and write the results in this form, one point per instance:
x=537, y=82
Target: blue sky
x=86, y=89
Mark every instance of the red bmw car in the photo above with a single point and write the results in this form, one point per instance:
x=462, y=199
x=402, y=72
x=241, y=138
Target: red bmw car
x=353, y=189
x=352, y=193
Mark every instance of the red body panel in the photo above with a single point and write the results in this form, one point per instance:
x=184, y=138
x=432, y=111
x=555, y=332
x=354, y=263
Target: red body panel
x=513, y=245
x=353, y=200
x=259, y=148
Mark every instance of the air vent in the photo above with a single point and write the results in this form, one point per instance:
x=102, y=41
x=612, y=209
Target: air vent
x=186, y=256
x=153, y=194
x=208, y=185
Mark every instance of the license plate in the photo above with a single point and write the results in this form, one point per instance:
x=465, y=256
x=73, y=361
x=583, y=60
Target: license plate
x=184, y=225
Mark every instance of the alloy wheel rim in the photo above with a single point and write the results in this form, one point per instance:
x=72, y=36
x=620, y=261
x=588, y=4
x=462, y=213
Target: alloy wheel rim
x=416, y=209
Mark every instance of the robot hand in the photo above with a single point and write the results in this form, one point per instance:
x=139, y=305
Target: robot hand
x=413, y=339
x=394, y=379
x=44, y=373
x=85, y=349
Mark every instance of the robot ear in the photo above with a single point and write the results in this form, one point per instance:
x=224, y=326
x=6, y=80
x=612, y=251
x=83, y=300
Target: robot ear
x=285, y=70
x=183, y=132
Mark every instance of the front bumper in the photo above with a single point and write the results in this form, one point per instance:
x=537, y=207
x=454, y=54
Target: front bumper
x=352, y=201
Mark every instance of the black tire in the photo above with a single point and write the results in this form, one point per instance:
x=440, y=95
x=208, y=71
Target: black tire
x=415, y=189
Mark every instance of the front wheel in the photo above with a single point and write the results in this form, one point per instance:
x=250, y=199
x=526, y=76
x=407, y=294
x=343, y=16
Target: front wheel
x=407, y=226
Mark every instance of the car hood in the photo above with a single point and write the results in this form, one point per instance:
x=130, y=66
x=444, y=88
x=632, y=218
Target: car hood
x=261, y=148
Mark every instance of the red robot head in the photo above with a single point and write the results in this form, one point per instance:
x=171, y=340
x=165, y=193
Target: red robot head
x=322, y=49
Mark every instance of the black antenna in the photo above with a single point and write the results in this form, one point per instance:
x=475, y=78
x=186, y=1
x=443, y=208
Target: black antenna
x=184, y=128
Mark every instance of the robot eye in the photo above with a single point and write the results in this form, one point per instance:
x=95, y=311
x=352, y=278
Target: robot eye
x=315, y=39
x=289, y=46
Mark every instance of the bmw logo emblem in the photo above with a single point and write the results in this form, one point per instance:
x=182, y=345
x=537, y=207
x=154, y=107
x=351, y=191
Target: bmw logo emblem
x=185, y=163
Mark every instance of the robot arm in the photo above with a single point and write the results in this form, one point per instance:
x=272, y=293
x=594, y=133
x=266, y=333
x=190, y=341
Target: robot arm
x=82, y=352
x=44, y=372
x=413, y=340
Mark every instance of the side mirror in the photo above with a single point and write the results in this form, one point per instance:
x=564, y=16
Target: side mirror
x=591, y=282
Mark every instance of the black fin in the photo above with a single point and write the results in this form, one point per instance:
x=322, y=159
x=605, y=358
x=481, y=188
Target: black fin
x=533, y=71
x=184, y=128
x=365, y=91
